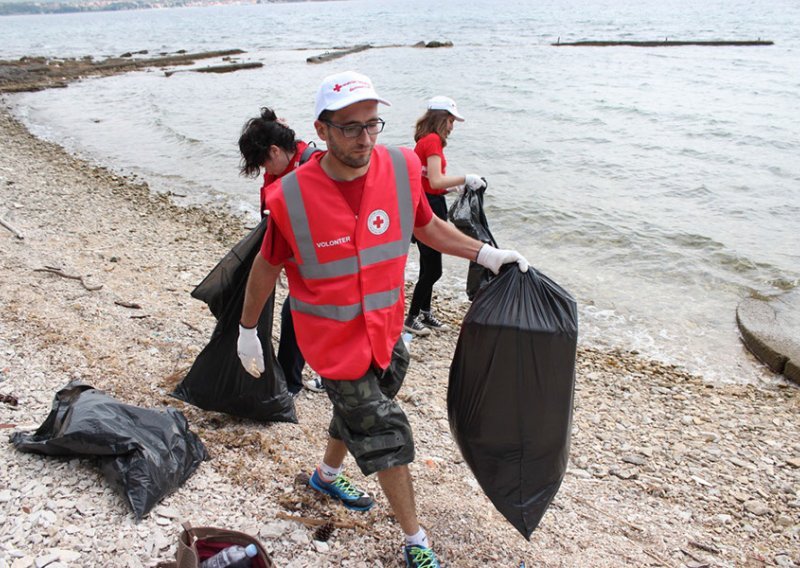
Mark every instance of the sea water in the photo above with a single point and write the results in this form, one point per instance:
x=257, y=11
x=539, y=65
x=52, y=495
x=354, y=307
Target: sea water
x=659, y=185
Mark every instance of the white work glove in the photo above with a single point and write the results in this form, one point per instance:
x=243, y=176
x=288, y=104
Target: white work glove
x=473, y=182
x=493, y=258
x=249, y=349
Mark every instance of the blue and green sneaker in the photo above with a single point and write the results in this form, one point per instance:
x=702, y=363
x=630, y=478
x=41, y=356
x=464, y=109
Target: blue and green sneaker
x=343, y=489
x=420, y=557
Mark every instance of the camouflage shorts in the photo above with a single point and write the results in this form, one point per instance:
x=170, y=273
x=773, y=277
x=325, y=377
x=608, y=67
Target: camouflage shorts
x=368, y=419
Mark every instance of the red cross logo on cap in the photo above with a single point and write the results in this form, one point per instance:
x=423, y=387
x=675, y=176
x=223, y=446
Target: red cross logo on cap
x=337, y=88
x=378, y=222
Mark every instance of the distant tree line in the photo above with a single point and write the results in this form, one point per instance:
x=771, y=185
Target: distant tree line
x=55, y=8
x=16, y=8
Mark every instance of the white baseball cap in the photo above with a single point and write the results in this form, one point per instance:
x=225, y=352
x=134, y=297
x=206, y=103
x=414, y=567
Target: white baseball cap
x=445, y=103
x=343, y=89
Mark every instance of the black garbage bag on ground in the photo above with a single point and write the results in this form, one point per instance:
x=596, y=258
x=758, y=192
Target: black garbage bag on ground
x=217, y=380
x=510, y=392
x=150, y=453
x=466, y=213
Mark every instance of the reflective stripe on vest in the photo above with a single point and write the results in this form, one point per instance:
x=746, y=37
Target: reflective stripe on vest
x=311, y=268
x=375, y=301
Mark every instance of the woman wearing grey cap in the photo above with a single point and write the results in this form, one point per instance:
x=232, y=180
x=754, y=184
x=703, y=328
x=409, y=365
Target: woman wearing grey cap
x=431, y=134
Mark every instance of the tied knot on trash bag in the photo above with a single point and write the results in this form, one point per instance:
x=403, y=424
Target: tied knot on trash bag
x=466, y=213
x=150, y=453
x=510, y=392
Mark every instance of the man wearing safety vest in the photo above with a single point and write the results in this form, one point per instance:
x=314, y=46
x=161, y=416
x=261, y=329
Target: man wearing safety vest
x=341, y=226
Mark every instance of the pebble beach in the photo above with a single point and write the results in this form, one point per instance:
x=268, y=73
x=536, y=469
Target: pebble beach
x=666, y=468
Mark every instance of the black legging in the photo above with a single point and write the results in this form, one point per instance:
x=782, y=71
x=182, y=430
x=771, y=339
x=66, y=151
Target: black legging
x=290, y=358
x=430, y=264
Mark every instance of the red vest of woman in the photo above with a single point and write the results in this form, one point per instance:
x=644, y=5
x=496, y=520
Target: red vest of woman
x=347, y=275
x=294, y=162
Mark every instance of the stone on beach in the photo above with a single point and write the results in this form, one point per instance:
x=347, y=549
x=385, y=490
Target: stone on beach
x=771, y=331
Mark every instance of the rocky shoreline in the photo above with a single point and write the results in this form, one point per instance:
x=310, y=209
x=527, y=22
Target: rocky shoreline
x=38, y=73
x=666, y=469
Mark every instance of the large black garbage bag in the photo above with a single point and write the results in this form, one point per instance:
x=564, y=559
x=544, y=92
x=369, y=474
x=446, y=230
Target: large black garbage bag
x=221, y=287
x=509, y=398
x=217, y=380
x=466, y=213
x=150, y=453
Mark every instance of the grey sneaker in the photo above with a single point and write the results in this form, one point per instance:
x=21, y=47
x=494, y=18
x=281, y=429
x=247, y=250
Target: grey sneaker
x=415, y=326
x=429, y=320
x=343, y=489
x=314, y=384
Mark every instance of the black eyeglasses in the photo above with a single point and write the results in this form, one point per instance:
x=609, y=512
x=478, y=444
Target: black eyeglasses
x=354, y=130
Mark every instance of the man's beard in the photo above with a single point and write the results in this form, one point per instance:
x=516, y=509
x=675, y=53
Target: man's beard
x=352, y=161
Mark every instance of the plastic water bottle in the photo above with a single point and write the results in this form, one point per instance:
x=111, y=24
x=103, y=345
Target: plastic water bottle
x=407, y=341
x=232, y=557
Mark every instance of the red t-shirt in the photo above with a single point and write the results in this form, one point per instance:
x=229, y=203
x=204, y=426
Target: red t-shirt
x=276, y=249
x=269, y=178
x=430, y=145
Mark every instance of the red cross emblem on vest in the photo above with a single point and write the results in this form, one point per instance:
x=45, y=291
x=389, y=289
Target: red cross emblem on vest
x=378, y=222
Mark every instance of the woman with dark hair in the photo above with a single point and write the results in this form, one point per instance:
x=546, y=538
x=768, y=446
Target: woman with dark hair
x=267, y=142
x=431, y=134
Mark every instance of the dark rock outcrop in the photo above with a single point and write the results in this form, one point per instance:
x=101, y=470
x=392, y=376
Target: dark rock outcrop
x=37, y=73
x=341, y=52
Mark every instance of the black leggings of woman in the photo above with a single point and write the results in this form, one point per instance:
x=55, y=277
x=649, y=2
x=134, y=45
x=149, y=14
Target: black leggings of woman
x=430, y=264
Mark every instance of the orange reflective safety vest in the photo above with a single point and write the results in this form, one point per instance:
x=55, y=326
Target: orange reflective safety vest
x=347, y=275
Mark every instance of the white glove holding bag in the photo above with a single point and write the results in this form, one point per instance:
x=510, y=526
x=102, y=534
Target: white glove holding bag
x=473, y=182
x=249, y=349
x=493, y=258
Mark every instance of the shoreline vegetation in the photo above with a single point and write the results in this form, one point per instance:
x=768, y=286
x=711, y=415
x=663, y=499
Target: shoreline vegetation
x=666, y=469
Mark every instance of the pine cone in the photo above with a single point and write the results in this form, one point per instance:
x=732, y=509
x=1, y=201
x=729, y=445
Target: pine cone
x=324, y=532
